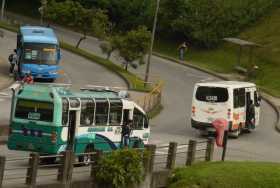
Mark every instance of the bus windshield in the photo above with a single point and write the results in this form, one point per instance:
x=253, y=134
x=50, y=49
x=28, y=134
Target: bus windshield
x=37, y=53
x=34, y=110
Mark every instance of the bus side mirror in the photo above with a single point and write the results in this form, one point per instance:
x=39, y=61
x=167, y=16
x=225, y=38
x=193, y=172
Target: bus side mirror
x=259, y=98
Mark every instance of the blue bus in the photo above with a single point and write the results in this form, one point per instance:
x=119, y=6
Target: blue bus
x=38, y=52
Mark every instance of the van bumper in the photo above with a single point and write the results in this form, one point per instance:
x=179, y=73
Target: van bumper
x=205, y=126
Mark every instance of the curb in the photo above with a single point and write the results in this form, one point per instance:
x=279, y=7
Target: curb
x=266, y=98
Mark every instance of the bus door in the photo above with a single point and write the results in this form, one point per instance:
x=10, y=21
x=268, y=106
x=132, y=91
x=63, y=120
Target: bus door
x=74, y=108
x=140, y=126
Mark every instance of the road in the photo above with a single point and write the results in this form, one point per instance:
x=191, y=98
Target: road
x=173, y=124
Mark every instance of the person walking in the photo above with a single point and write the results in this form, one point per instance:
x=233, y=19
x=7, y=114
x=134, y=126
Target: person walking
x=126, y=130
x=251, y=115
x=182, y=48
x=13, y=61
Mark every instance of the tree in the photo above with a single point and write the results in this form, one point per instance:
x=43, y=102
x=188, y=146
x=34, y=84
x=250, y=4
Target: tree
x=73, y=14
x=109, y=46
x=134, y=45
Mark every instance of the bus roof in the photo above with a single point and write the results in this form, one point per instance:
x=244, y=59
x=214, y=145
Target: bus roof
x=227, y=84
x=45, y=92
x=37, y=34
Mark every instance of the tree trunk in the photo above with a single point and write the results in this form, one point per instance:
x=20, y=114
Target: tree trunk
x=80, y=40
x=126, y=66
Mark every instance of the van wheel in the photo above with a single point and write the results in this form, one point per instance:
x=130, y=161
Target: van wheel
x=235, y=134
x=87, y=158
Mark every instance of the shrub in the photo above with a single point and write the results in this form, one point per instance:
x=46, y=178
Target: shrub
x=120, y=169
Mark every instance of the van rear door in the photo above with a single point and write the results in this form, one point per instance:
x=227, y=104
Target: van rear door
x=210, y=103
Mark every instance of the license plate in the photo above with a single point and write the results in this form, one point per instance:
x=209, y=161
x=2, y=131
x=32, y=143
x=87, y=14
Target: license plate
x=39, y=75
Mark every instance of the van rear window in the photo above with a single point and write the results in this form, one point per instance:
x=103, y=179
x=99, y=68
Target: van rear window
x=211, y=94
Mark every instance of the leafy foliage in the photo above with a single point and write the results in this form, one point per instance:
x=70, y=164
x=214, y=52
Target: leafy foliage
x=134, y=45
x=73, y=14
x=120, y=169
x=206, y=22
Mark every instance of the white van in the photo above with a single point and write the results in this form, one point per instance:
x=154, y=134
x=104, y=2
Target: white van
x=224, y=99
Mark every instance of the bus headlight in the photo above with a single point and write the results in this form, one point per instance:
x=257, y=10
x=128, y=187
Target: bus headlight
x=53, y=72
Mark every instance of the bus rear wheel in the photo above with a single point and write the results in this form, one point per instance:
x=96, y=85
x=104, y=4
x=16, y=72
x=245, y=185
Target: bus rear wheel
x=87, y=158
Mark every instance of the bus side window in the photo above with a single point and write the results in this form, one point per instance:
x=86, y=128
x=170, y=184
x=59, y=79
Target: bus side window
x=138, y=119
x=146, y=122
x=87, y=112
x=101, y=114
x=65, y=109
x=238, y=97
x=115, y=113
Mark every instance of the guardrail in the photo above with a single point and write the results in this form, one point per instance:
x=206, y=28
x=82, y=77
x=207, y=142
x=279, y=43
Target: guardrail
x=151, y=99
x=30, y=170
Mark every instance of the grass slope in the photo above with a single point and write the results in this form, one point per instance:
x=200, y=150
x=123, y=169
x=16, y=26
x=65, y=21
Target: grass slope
x=223, y=59
x=227, y=175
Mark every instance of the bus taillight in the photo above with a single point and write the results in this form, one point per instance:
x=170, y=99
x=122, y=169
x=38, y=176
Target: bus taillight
x=193, y=110
x=53, y=137
x=229, y=113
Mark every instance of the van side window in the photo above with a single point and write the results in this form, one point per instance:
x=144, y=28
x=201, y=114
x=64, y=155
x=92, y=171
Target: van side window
x=115, y=113
x=65, y=110
x=101, y=114
x=239, y=97
x=256, y=99
x=87, y=112
x=138, y=119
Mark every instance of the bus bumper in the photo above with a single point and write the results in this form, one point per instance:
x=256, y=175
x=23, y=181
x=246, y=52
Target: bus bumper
x=206, y=126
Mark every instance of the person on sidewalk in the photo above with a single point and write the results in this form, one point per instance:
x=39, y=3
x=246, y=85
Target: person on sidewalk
x=13, y=61
x=182, y=48
x=28, y=79
x=126, y=130
x=251, y=115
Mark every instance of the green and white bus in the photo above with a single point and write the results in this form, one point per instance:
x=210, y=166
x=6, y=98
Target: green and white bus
x=48, y=119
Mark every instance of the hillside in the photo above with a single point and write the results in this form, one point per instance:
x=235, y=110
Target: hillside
x=224, y=58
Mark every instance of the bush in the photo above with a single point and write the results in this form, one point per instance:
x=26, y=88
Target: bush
x=120, y=169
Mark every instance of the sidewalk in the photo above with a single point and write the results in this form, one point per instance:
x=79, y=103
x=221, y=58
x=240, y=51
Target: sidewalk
x=5, y=79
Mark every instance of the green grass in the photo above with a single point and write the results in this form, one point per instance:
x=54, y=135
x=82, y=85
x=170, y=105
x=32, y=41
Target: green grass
x=134, y=81
x=227, y=175
x=223, y=58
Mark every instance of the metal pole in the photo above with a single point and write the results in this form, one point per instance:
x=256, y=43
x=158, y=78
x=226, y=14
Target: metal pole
x=2, y=9
x=152, y=44
x=225, y=145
